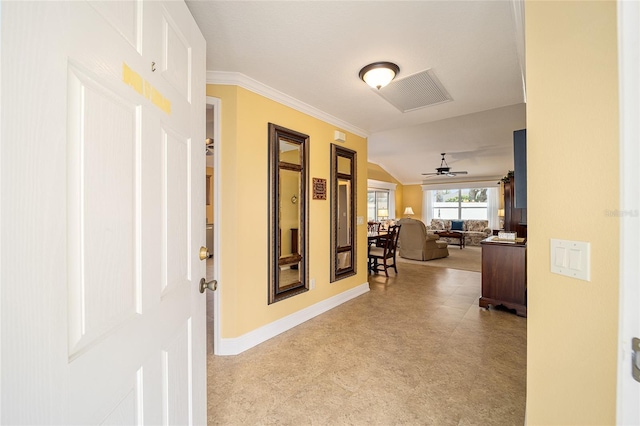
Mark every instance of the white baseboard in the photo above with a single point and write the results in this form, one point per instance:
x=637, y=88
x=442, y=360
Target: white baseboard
x=236, y=345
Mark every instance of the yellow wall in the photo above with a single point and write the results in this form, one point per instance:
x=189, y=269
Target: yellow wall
x=243, y=201
x=572, y=148
x=289, y=211
x=412, y=197
x=378, y=173
x=375, y=172
x=211, y=186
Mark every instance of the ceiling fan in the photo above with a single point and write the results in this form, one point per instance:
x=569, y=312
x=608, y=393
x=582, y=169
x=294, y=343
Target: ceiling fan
x=444, y=169
x=210, y=144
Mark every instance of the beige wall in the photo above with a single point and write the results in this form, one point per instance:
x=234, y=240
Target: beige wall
x=572, y=131
x=243, y=202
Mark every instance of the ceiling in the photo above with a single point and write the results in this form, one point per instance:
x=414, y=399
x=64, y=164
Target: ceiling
x=312, y=51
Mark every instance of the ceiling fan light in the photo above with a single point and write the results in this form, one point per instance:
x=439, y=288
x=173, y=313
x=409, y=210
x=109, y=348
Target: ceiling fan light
x=379, y=74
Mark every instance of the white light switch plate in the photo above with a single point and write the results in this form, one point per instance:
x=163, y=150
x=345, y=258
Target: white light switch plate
x=571, y=258
x=360, y=220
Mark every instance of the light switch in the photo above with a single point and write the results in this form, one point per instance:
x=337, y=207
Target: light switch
x=571, y=258
x=561, y=257
x=575, y=259
x=360, y=220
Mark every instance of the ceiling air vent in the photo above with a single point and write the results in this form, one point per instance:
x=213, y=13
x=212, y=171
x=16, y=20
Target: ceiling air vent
x=415, y=91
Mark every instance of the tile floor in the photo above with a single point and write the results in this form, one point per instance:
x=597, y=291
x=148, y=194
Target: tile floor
x=415, y=350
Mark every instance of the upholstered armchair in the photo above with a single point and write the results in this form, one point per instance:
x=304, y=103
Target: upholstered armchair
x=414, y=243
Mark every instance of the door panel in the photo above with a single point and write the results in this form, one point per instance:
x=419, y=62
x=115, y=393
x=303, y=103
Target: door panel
x=177, y=187
x=99, y=174
x=102, y=167
x=176, y=364
x=124, y=412
x=124, y=17
x=176, y=61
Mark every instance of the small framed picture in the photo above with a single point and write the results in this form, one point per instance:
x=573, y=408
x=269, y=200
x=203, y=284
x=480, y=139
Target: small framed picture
x=319, y=189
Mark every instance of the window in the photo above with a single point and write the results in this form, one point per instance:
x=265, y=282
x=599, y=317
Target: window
x=469, y=203
x=378, y=207
x=381, y=200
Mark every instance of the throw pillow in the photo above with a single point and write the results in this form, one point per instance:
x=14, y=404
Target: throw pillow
x=457, y=225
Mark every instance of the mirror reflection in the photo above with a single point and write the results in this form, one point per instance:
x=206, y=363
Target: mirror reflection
x=290, y=152
x=344, y=224
x=344, y=165
x=287, y=213
x=343, y=214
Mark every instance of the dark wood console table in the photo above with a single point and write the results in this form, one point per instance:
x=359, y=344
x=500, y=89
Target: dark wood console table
x=504, y=275
x=453, y=234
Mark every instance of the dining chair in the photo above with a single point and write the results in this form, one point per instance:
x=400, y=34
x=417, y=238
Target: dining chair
x=385, y=251
x=373, y=227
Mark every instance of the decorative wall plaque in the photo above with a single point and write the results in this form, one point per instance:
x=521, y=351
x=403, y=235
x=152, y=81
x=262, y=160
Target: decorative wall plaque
x=319, y=189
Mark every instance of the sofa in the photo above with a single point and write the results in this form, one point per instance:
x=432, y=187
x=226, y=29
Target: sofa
x=415, y=243
x=473, y=230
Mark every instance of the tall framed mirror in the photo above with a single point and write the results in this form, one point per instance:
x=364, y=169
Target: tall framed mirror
x=343, y=212
x=288, y=213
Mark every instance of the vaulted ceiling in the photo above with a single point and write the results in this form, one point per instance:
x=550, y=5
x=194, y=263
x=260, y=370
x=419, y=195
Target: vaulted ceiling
x=313, y=50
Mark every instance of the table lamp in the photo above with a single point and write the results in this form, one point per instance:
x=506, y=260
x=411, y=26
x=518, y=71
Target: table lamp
x=408, y=211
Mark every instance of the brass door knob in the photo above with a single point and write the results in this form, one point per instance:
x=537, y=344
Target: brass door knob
x=204, y=253
x=211, y=285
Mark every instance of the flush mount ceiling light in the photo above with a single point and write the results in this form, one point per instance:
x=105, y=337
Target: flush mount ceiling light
x=379, y=74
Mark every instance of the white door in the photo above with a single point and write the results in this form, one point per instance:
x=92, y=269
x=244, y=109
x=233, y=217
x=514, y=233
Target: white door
x=102, y=194
x=628, y=390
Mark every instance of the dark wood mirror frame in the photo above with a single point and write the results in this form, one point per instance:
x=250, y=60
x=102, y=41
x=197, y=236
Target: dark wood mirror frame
x=288, y=246
x=343, y=233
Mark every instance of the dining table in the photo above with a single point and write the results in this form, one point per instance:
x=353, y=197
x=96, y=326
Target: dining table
x=373, y=237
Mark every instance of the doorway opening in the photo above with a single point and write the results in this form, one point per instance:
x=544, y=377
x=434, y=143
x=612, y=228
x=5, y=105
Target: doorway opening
x=212, y=208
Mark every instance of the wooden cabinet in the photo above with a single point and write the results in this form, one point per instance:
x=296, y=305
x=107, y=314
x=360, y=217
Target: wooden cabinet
x=515, y=220
x=520, y=168
x=504, y=276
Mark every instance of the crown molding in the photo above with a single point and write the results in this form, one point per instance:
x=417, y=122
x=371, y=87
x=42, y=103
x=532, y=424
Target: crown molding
x=239, y=79
x=378, y=184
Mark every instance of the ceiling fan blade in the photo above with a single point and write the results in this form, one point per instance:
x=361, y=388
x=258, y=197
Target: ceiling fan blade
x=430, y=174
x=459, y=173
